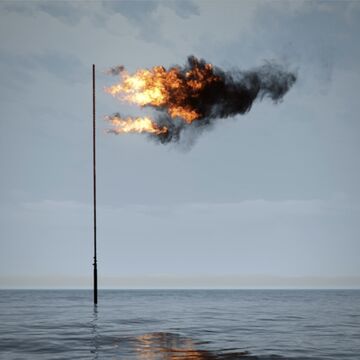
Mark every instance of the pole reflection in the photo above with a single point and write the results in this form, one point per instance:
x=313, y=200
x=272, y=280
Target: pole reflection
x=95, y=334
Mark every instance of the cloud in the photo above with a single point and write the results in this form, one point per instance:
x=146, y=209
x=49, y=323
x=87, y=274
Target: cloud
x=140, y=12
x=147, y=15
x=64, y=11
x=319, y=33
x=317, y=38
x=67, y=67
x=142, y=9
x=133, y=10
x=183, y=8
x=19, y=71
x=286, y=238
x=52, y=205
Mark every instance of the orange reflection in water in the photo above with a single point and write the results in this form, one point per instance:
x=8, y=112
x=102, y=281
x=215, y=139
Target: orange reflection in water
x=164, y=346
x=167, y=346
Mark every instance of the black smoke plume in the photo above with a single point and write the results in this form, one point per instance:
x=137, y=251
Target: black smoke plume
x=232, y=93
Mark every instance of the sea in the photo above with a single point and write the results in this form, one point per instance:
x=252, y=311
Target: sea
x=180, y=324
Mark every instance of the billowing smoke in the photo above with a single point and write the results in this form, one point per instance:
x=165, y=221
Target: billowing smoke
x=189, y=99
x=116, y=70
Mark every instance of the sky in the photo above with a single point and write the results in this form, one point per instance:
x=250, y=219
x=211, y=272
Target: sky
x=267, y=199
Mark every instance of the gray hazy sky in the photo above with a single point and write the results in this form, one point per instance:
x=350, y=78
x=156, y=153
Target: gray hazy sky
x=270, y=195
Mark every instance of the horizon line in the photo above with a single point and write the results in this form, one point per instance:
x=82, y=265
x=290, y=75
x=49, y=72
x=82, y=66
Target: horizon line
x=182, y=288
x=171, y=282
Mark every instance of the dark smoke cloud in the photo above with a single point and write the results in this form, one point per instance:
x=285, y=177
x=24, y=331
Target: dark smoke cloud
x=116, y=70
x=234, y=93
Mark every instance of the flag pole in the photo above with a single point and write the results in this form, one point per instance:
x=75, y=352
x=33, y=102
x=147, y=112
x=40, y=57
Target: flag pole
x=94, y=186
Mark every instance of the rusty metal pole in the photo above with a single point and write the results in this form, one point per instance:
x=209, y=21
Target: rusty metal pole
x=94, y=188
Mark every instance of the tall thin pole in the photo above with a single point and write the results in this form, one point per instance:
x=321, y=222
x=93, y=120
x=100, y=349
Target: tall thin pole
x=94, y=188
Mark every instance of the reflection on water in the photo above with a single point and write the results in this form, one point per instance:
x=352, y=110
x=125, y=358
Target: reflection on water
x=168, y=346
x=209, y=325
x=160, y=346
x=95, y=334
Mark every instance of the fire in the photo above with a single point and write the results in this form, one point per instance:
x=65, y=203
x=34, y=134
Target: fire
x=135, y=125
x=141, y=89
x=192, y=97
x=173, y=90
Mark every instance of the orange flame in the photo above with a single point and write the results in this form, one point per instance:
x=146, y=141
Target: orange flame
x=135, y=125
x=171, y=89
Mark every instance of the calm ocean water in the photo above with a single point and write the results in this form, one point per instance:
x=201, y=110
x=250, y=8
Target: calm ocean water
x=180, y=324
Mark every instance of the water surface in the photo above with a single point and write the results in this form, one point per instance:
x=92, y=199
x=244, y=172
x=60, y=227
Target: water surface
x=180, y=324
